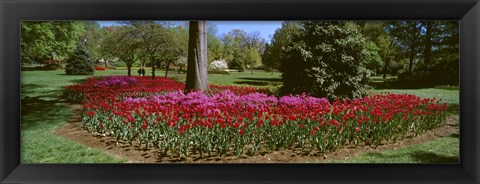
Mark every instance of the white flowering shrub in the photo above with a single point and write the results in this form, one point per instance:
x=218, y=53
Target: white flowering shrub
x=218, y=65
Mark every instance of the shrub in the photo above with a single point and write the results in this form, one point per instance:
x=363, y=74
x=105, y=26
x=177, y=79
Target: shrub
x=327, y=59
x=52, y=66
x=218, y=65
x=447, y=87
x=80, y=63
x=236, y=63
x=438, y=74
x=43, y=68
x=405, y=77
x=53, y=61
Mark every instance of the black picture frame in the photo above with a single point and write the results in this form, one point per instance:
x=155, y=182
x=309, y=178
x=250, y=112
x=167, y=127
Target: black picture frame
x=14, y=11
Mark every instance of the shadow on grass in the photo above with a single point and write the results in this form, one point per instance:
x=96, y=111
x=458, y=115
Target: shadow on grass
x=391, y=84
x=454, y=108
x=254, y=83
x=429, y=157
x=25, y=88
x=419, y=157
x=77, y=81
x=394, y=83
x=455, y=136
x=262, y=79
x=42, y=109
x=259, y=81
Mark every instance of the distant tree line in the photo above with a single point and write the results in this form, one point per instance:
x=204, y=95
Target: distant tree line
x=332, y=58
x=50, y=40
x=155, y=44
x=421, y=53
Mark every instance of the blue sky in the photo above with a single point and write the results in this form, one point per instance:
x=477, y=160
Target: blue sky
x=266, y=28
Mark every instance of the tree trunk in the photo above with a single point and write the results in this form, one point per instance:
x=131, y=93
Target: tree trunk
x=428, y=42
x=106, y=64
x=385, y=68
x=197, y=57
x=129, y=69
x=414, y=32
x=153, y=71
x=167, y=68
x=387, y=59
x=412, y=57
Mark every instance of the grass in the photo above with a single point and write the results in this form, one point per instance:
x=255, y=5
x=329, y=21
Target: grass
x=379, y=78
x=258, y=78
x=44, y=110
x=442, y=150
x=447, y=95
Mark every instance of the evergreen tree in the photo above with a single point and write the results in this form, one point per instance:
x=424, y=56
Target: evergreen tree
x=327, y=59
x=80, y=63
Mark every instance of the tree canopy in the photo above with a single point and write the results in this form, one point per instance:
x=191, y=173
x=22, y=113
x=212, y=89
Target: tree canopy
x=420, y=53
x=432, y=50
x=274, y=52
x=44, y=40
x=327, y=59
x=123, y=43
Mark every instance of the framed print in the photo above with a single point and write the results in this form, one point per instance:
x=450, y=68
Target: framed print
x=239, y=91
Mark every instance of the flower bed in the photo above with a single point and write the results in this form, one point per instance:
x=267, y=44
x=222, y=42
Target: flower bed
x=245, y=120
x=100, y=68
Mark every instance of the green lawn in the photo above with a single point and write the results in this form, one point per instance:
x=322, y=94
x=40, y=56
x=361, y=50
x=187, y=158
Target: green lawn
x=450, y=96
x=258, y=78
x=44, y=110
x=442, y=150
